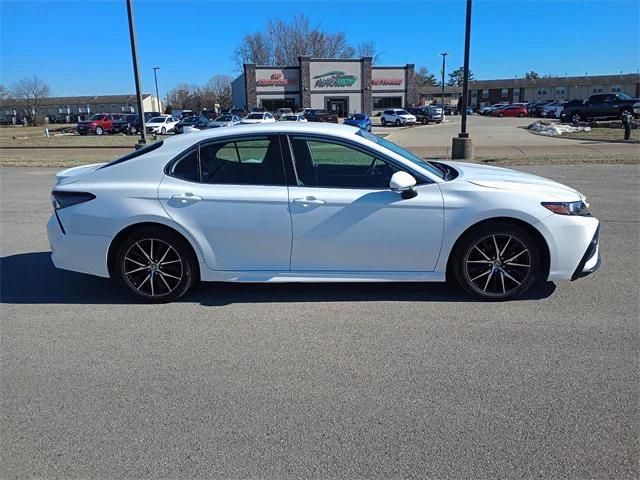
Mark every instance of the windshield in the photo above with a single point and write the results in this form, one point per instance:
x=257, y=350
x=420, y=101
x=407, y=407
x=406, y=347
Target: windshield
x=97, y=117
x=402, y=152
x=225, y=118
x=623, y=96
x=402, y=112
x=189, y=120
x=157, y=120
x=255, y=116
x=290, y=117
x=357, y=116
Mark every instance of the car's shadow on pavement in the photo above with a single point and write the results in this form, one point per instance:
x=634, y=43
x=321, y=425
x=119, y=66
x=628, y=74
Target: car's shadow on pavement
x=31, y=278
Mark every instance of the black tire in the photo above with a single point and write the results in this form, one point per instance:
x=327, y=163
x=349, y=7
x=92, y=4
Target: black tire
x=144, y=278
x=521, y=115
x=625, y=112
x=384, y=122
x=163, y=131
x=505, y=275
x=397, y=123
x=501, y=115
x=99, y=130
x=424, y=121
x=575, y=117
x=133, y=130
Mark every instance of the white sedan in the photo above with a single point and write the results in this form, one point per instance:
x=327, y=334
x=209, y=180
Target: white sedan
x=310, y=202
x=293, y=117
x=226, y=120
x=259, y=117
x=162, y=125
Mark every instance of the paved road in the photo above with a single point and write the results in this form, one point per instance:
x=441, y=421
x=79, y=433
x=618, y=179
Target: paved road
x=319, y=381
x=505, y=137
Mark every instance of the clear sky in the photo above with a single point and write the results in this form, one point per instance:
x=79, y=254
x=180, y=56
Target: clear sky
x=82, y=47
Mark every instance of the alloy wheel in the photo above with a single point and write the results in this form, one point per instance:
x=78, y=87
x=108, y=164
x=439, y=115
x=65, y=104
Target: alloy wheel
x=152, y=267
x=497, y=265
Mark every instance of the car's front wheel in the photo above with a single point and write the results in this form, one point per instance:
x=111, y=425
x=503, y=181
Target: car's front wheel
x=496, y=261
x=99, y=130
x=163, y=131
x=156, y=265
x=384, y=122
x=397, y=123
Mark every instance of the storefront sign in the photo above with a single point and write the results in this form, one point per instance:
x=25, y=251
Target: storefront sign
x=336, y=78
x=275, y=80
x=387, y=81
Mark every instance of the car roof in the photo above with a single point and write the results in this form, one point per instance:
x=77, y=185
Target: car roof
x=187, y=139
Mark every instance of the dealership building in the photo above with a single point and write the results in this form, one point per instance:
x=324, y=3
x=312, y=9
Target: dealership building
x=342, y=86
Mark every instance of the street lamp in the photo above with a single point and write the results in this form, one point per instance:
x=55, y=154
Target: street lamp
x=444, y=57
x=136, y=74
x=155, y=76
x=462, y=146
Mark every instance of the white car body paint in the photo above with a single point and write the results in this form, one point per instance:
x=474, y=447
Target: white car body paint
x=254, y=233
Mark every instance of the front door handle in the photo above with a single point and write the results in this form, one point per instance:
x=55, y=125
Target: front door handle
x=308, y=201
x=186, y=198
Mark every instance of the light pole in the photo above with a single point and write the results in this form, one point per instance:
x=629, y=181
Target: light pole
x=136, y=74
x=155, y=76
x=444, y=58
x=462, y=147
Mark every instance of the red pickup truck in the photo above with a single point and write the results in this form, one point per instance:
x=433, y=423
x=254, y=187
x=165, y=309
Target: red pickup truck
x=98, y=124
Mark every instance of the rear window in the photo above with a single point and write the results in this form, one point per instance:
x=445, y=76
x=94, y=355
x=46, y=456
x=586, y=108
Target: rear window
x=135, y=153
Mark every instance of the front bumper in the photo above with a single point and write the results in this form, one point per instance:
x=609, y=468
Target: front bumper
x=591, y=260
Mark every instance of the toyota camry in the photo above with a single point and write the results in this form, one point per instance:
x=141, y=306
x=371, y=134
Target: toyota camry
x=312, y=202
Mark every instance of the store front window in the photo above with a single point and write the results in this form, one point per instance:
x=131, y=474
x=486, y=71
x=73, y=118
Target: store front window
x=272, y=104
x=380, y=103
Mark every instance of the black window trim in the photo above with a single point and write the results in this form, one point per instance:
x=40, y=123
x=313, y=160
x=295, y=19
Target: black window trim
x=227, y=138
x=356, y=146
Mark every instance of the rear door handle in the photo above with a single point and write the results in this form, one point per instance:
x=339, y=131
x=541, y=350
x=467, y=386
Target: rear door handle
x=308, y=201
x=186, y=198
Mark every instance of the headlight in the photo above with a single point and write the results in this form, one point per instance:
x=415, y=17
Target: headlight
x=568, y=208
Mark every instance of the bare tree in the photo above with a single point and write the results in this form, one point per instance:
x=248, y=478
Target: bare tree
x=255, y=48
x=29, y=93
x=426, y=78
x=183, y=96
x=4, y=92
x=368, y=49
x=220, y=85
x=283, y=42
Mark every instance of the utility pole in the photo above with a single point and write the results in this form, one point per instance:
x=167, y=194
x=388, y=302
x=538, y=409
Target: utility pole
x=155, y=76
x=136, y=73
x=462, y=147
x=444, y=57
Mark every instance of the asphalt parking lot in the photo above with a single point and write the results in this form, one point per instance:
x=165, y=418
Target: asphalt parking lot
x=320, y=381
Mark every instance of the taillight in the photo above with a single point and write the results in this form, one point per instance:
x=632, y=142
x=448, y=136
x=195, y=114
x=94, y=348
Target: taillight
x=62, y=200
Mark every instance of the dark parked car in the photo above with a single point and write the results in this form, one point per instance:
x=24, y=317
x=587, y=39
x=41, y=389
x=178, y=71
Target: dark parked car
x=536, y=109
x=424, y=115
x=320, y=115
x=130, y=123
x=200, y=121
x=600, y=106
x=360, y=120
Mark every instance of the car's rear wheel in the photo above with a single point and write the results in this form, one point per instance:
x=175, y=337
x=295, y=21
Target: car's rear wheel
x=384, y=122
x=133, y=130
x=626, y=111
x=576, y=117
x=397, y=123
x=156, y=265
x=521, y=115
x=496, y=261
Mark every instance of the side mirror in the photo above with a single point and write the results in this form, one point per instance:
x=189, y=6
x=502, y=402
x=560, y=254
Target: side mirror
x=403, y=182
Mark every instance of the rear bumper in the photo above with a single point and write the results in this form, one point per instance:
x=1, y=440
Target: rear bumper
x=77, y=252
x=591, y=259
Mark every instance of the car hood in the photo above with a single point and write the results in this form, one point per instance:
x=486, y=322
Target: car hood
x=507, y=179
